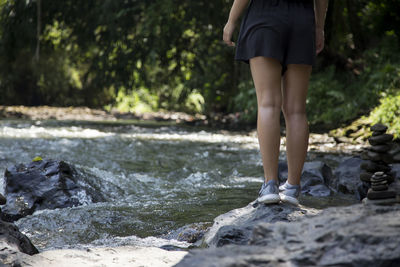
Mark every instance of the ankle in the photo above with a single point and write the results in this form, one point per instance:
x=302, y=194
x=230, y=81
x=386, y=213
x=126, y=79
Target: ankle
x=266, y=180
x=292, y=184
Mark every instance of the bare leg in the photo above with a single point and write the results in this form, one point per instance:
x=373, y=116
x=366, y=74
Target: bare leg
x=295, y=86
x=266, y=73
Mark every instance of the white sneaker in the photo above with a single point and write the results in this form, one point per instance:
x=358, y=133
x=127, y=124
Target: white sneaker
x=289, y=193
x=269, y=193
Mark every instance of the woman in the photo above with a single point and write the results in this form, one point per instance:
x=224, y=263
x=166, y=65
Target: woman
x=279, y=39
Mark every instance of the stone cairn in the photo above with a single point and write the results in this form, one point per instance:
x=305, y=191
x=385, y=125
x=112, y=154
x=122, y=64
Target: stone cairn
x=376, y=169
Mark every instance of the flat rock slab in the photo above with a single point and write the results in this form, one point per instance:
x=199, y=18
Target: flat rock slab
x=236, y=226
x=118, y=256
x=357, y=235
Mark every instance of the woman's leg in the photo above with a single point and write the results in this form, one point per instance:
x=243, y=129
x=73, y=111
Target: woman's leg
x=295, y=86
x=266, y=73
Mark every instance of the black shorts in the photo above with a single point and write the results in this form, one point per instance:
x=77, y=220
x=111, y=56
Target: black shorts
x=280, y=29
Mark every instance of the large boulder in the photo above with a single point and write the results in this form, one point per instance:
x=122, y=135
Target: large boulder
x=236, y=226
x=13, y=242
x=315, y=178
x=347, y=178
x=356, y=235
x=43, y=184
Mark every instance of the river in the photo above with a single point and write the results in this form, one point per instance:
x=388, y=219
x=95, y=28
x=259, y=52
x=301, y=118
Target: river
x=156, y=177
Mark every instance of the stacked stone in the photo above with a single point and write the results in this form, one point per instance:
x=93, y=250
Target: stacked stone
x=379, y=187
x=377, y=171
x=377, y=156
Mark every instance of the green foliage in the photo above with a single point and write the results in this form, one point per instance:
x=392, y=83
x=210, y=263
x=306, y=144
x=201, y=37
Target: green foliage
x=135, y=101
x=336, y=96
x=168, y=54
x=388, y=113
x=246, y=101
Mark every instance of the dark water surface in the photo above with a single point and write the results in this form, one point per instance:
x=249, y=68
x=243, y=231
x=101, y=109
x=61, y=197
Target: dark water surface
x=156, y=177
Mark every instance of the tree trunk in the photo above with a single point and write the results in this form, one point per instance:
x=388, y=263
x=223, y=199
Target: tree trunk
x=38, y=26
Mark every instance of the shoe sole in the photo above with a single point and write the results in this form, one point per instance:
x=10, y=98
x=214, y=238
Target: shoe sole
x=269, y=199
x=288, y=199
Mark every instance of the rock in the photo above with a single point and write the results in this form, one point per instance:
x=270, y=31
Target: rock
x=364, y=155
x=380, y=139
x=383, y=182
x=189, y=233
x=395, y=152
x=380, y=194
x=371, y=166
x=357, y=235
x=374, y=156
x=381, y=148
x=3, y=200
x=366, y=176
x=377, y=174
x=347, y=177
x=379, y=127
x=385, y=201
x=387, y=158
x=12, y=241
x=314, y=178
x=128, y=255
x=44, y=184
x=376, y=133
x=235, y=227
x=396, y=170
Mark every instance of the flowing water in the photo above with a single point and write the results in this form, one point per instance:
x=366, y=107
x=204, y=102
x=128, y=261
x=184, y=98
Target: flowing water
x=156, y=177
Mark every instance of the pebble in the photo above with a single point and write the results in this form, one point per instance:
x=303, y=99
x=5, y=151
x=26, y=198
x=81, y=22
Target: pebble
x=379, y=182
x=379, y=187
x=375, y=133
x=379, y=127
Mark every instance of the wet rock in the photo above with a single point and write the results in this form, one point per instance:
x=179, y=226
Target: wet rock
x=357, y=235
x=43, y=184
x=235, y=227
x=3, y=200
x=13, y=242
x=315, y=178
x=347, y=177
x=380, y=139
x=189, y=233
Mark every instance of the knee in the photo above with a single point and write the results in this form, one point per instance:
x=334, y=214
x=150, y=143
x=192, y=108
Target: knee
x=270, y=103
x=293, y=111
